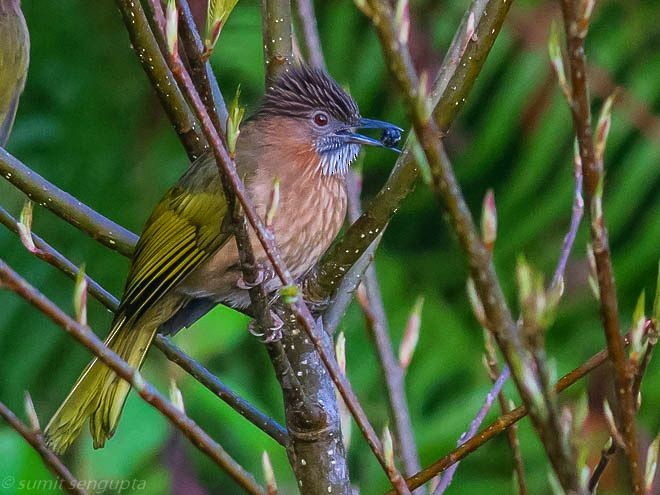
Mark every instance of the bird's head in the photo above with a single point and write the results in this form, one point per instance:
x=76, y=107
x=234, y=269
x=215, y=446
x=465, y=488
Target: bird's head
x=311, y=116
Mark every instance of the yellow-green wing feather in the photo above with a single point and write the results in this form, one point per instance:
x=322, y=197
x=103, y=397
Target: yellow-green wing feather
x=185, y=229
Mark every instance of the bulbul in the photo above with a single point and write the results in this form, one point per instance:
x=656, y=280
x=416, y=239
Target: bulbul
x=14, y=61
x=305, y=135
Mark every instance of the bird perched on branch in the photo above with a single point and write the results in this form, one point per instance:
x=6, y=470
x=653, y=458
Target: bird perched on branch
x=14, y=61
x=304, y=135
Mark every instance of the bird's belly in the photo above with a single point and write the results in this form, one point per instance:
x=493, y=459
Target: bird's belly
x=302, y=238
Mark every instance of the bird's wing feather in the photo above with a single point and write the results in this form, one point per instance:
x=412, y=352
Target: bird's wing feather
x=185, y=229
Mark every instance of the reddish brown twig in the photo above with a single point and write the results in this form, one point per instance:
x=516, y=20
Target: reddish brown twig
x=85, y=336
x=67, y=481
x=576, y=23
x=502, y=423
x=429, y=129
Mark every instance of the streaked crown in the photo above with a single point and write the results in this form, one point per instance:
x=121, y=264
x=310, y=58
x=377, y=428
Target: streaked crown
x=302, y=90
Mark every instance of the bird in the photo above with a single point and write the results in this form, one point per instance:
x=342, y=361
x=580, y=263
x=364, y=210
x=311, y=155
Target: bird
x=304, y=135
x=14, y=62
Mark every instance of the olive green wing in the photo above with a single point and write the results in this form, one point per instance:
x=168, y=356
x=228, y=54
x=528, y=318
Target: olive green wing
x=189, y=224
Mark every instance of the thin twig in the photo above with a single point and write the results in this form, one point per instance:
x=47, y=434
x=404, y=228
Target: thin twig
x=200, y=69
x=211, y=382
x=576, y=25
x=67, y=481
x=608, y=452
x=85, y=336
x=393, y=374
x=512, y=432
x=447, y=477
x=502, y=423
x=528, y=380
x=145, y=46
x=312, y=43
x=576, y=217
x=49, y=254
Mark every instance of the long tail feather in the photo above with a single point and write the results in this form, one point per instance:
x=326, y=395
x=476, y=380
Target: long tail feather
x=99, y=394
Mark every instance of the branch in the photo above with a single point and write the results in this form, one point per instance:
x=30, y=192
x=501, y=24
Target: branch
x=312, y=43
x=200, y=69
x=85, y=336
x=49, y=254
x=446, y=479
x=393, y=374
x=145, y=46
x=446, y=188
x=512, y=433
x=36, y=440
x=502, y=423
x=576, y=24
x=278, y=45
x=461, y=66
x=66, y=206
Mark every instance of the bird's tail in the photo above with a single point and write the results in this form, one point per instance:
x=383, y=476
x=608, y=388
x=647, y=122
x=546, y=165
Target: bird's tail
x=99, y=394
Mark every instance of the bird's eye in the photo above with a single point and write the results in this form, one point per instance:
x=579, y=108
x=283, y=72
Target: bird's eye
x=320, y=119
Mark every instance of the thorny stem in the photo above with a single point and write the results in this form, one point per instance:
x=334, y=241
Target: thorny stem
x=543, y=412
x=68, y=482
x=502, y=423
x=592, y=169
x=85, y=336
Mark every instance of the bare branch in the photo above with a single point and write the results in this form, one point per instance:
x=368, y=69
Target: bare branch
x=36, y=440
x=312, y=43
x=145, y=46
x=85, y=336
x=576, y=23
x=393, y=374
x=446, y=479
x=66, y=206
x=49, y=254
x=529, y=380
x=502, y=423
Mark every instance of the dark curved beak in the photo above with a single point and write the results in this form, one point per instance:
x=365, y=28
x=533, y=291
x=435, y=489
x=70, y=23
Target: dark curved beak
x=390, y=137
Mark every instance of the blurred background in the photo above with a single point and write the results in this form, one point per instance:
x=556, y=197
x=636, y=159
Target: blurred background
x=89, y=122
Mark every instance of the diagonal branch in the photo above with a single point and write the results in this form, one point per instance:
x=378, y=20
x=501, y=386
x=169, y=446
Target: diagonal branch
x=445, y=186
x=393, y=373
x=47, y=253
x=85, y=336
x=502, y=423
x=36, y=440
x=145, y=46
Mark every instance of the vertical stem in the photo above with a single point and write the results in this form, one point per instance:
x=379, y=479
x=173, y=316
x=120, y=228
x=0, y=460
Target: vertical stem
x=278, y=36
x=576, y=27
x=393, y=374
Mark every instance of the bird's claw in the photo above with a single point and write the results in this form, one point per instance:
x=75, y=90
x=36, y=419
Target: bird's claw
x=271, y=334
x=262, y=275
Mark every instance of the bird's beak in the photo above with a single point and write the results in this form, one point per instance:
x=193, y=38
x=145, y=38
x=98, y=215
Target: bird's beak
x=390, y=137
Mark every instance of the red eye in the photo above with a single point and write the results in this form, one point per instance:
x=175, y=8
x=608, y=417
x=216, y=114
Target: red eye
x=320, y=119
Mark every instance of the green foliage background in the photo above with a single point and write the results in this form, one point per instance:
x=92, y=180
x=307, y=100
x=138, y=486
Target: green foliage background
x=89, y=122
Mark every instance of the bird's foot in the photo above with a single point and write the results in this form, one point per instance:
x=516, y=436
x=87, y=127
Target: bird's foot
x=263, y=274
x=272, y=333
